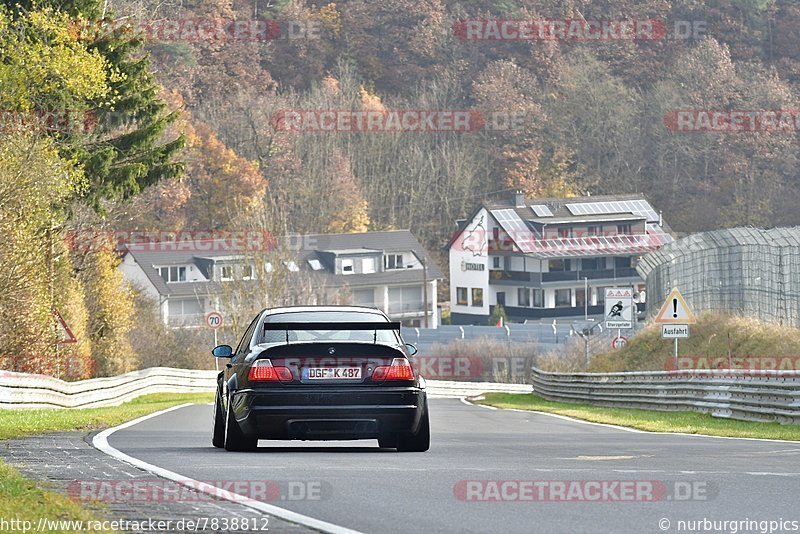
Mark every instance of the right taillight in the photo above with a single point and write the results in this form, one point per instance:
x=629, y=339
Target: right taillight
x=400, y=369
x=264, y=371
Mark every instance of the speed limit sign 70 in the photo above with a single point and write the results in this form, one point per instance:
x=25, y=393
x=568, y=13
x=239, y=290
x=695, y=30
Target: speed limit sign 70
x=214, y=320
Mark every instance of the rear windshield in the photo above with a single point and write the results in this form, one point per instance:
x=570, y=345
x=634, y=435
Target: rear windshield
x=277, y=336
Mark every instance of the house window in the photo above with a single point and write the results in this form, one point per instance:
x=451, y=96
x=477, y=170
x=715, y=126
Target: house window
x=496, y=234
x=368, y=265
x=227, y=272
x=563, y=298
x=624, y=229
x=347, y=266
x=594, y=230
x=496, y=262
x=622, y=262
x=590, y=264
x=538, y=298
x=248, y=272
x=173, y=274
x=315, y=265
x=558, y=265
x=364, y=297
x=392, y=261
x=184, y=307
x=477, y=296
x=461, y=296
x=565, y=232
x=292, y=266
x=524, y=297
x=405, y=299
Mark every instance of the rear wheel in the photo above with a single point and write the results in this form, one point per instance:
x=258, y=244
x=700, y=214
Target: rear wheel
x=419, y=442
x=218, y=430
x=234, y=439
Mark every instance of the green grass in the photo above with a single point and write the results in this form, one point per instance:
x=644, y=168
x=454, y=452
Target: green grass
x=23, y=499
x=687, y=422
x=18, y=423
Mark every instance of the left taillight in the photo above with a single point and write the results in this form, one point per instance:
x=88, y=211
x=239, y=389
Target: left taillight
x=264, y=371
x=399, y=370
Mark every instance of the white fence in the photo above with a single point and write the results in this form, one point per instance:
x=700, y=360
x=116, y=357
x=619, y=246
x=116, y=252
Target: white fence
x=21, y=390
x=733, y=394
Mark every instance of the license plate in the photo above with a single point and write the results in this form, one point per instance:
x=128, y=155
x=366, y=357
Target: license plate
x=332, y=373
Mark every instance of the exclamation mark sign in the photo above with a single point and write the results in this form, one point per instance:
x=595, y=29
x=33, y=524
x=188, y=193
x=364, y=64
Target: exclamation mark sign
x=675, y=308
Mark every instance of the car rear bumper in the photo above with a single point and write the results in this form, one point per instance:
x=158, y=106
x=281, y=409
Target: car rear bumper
x=330, y=413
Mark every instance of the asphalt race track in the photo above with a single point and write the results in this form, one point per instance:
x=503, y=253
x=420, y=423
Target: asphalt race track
x=358, y=486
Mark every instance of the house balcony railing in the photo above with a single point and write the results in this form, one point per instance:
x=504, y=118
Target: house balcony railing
x=556, y=247
x=402, y=309
x=192, y=320
x=498, y=277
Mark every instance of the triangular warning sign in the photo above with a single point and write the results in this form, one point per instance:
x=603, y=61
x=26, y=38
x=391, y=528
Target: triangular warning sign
x=64, y=334
x=675, y=310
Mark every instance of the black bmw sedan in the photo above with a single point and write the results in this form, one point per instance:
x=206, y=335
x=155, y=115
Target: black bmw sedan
x=320, y=373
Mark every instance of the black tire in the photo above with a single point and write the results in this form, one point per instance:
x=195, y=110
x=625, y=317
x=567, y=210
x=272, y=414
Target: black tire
x=218, y=430
x=234, y=439
x=419, y=442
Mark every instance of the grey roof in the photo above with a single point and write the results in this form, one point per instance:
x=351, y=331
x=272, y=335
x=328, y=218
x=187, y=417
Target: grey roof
x=311, y=246
x=657, y=231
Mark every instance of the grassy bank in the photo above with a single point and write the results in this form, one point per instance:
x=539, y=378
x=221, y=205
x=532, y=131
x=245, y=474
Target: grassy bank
x=23, y=499
x=653, y=421
x=711, y=338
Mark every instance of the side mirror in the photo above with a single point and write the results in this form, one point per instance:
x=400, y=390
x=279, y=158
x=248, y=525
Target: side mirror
x=222, y=351
x=412, y=350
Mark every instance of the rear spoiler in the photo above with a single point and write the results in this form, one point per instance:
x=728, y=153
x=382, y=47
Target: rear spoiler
x=332, y=325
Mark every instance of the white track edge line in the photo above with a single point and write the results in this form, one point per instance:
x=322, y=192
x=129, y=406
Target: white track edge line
x=100, y=442
x=625, y=428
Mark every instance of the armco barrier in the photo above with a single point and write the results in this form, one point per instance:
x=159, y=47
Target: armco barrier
x=734, y=394
x=21, y=390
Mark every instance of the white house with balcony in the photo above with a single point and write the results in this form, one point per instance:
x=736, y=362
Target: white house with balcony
x=387, y=270
x=549, y=257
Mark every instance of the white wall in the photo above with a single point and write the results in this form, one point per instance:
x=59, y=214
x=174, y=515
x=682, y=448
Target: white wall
x=134, y=274
x=471, y=246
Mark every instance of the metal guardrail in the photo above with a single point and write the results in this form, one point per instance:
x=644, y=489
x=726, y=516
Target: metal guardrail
x=22, y=390
x=733, y=394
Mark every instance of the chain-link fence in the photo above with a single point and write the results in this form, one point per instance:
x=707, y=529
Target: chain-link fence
x=746, y=271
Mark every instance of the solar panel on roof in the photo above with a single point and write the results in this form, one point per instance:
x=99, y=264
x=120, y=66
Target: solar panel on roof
x=638, y=207
x=515, y=227
x=541, y=210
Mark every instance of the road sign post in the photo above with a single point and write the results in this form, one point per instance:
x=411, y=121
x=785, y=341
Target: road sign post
x=619, y=307
x=214, y=321
x=675, y=318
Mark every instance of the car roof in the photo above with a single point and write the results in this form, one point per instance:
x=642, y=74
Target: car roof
x=326, y=308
